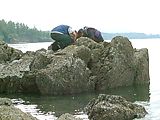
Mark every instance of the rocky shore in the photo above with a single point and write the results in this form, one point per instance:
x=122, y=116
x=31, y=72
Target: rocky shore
x=83, y=67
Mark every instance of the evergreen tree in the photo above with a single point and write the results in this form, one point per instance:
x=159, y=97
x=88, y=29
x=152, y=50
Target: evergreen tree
x=12, y=32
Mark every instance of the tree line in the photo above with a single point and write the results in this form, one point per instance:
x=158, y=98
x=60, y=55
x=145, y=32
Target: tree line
x=11, y=32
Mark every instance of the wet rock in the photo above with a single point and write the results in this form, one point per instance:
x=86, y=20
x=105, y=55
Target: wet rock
x=111, y=107
x=9, y=112
x=142, y=66
x=68, y=116
x=5, y=101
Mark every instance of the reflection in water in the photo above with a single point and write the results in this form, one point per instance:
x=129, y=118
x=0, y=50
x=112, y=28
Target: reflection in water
x=74, y=104
x=132, y=93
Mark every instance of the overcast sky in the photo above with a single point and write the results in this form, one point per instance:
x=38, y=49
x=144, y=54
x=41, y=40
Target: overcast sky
x=105, y=15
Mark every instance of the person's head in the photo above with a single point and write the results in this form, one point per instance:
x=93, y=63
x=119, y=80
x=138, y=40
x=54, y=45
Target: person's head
x=73, y=35
x=79, y=33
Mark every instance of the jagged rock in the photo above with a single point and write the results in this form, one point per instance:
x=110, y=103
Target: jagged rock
x=121, y=57
x=12, y=74
x=85, y=66
x=116, y=63
x=111, y=107
x=142, y=66
x=68, y=116
x=40, y=61
x=9, y=112
x=81, y=52
x=8, y=54
x=65, y=75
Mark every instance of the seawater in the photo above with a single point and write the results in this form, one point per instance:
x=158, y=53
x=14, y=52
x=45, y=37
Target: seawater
x=51, y=107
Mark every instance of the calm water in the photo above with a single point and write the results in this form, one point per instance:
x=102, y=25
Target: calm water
x=50, y=107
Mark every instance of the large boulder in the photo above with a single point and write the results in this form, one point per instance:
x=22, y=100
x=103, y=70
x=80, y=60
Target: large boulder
x=13, y=74
x=66, y=74
x=9, y=112
x=63, y=72
x=116, y=63
x=85, y=66
x=111, y=107
x=121, y=59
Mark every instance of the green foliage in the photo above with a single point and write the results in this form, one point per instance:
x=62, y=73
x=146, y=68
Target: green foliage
x=12, y=32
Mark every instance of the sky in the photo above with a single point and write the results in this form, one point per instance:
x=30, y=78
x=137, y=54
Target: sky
x=105, y=15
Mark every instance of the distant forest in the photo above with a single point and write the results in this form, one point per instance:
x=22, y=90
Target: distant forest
x=11, y=32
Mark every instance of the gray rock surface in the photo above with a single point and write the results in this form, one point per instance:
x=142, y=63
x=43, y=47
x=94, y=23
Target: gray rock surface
x=9, y=112
x=8, y=54
x=85, y=66
x=142, y=66
x=116, y=63
x=68, y=116
x=111, y=107
x=65, y=75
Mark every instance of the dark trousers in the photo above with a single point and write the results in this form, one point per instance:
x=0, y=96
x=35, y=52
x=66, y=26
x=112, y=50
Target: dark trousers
x=61, y=41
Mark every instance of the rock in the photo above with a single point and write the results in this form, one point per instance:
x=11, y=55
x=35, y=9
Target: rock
x=111, y=107
x=116, y=63
x=121, y=57
x=81, y=52
x=65, y=75
x=88, y=43
x=5, y=101
x=12, y=74
x=9, y=112
x=40, y=61
x=85, y=66
x=8, y=54
x=142, y=66
x=68, y=116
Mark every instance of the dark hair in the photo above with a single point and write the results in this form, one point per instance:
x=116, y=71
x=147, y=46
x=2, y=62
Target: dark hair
x=80, y=31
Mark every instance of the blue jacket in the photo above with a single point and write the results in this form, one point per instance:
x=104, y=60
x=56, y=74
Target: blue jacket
x=62, y=29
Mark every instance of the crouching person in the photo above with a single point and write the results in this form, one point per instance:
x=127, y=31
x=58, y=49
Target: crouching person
x=63, y=35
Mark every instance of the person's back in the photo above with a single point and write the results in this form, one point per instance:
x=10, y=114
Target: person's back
x=91, y=33
x=63, y=29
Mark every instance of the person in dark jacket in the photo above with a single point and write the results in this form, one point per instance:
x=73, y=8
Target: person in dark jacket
x=91, y=33
x=63, y=35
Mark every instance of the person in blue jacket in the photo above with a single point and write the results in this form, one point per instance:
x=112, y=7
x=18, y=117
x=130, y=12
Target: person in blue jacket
x=91, y=33
x=63, y=35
